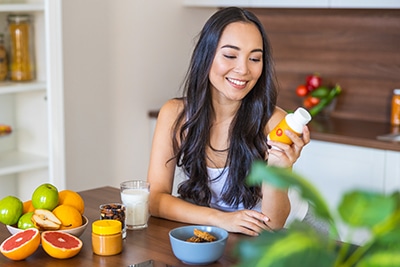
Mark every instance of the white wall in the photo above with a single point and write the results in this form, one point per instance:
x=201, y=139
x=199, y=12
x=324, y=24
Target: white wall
x=122, y=58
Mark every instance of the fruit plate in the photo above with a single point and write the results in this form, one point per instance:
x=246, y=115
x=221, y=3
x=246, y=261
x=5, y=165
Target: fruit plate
x=77, y=231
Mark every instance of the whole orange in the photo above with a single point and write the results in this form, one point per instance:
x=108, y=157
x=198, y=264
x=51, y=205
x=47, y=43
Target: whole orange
x=69, y=216
x=28, y=207
x=71, y=198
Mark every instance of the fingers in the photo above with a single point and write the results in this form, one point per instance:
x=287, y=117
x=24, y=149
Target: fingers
x=306, y=135
x=248, y=222
x=253, y=223
x=286, y=155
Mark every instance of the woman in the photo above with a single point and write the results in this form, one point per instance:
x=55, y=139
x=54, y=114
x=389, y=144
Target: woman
x=219, y=128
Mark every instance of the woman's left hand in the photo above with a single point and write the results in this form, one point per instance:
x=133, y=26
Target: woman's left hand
x=286, y=155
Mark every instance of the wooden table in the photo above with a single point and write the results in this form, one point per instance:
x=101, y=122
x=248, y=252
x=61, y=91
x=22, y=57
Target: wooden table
x=140, y=245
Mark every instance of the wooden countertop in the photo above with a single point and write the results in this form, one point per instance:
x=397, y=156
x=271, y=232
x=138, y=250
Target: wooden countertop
x=151, y=243
x=352, y=132
x=140, y=245
x=346, y=131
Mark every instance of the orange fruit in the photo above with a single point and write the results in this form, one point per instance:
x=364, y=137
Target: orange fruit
x=28, y=207
x=72, y=198
x=60, y=245
x=69, y=216
x=21, y=245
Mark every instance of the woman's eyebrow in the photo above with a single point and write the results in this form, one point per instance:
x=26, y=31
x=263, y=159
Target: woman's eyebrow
x=237, y=48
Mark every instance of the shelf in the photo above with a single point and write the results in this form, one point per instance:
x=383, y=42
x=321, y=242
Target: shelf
x=15, y=162
x=13, y=87
x=21, y=7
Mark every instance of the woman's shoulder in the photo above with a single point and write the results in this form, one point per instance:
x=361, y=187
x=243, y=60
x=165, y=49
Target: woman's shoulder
x=171, y=109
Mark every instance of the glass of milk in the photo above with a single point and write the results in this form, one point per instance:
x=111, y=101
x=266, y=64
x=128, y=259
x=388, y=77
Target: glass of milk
x=135, y=197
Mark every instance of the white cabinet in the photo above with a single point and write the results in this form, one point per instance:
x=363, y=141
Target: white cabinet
x=290, y=3
x=34, y=152
x=218, y=3
x=364, y=4
x=392, y=171
x=295, y=4
x=337, y=168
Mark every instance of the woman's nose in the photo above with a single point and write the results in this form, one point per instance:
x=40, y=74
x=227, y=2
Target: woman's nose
x=242, y=66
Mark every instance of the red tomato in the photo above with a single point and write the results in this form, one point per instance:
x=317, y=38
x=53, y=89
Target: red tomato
x=313, y=81
x=314, y=100
x=301, y=90
x=310, y=102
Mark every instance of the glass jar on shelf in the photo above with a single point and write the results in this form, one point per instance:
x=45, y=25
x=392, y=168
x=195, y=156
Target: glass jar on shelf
x=21, y=56
x=3, y=59
x=395, y=112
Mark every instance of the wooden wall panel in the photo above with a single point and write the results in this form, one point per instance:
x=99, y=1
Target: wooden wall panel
x=359, y=49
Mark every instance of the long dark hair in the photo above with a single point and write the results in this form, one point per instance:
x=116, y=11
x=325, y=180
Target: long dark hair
x=247, y=137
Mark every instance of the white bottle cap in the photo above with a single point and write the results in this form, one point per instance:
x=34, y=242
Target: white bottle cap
x=396, y=91
x=302, y=116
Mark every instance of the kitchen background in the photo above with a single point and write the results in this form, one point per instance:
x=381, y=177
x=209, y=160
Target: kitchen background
x=108, y=64
x=120, y=60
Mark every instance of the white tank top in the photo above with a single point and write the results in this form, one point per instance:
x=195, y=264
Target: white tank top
x=298, y=209
x=216, y=182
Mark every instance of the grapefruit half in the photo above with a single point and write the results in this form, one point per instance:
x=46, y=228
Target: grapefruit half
x=21, y=245
x=60, y=245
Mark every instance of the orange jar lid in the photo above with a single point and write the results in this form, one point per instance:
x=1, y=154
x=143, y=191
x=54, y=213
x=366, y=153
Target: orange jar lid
x=106, y=227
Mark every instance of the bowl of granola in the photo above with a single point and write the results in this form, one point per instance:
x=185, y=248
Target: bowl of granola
x=198, y=244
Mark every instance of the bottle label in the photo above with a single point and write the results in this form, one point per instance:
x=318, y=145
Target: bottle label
x=278, y=133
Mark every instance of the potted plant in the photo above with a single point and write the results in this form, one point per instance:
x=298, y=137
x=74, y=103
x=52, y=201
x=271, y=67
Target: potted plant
x=301, y=245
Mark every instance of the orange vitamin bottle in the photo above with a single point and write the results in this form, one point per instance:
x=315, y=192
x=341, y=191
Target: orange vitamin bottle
x=293, y=121
x=395, y=116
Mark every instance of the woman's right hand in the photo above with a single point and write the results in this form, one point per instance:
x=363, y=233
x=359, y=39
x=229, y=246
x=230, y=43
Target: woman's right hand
x=248, y=222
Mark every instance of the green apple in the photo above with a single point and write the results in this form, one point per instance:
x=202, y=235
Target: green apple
x=45, y=197
x=25, y=221
x=10, y=210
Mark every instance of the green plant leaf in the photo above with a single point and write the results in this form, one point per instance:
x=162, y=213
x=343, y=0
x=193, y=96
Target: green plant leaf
x=284, y=178
x=389, y=240
x=286, y=248
x=384, y=258
x=390, y=224
x=301, y=245
x=363, y=208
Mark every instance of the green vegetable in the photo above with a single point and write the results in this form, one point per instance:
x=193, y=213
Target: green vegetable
x=326, y=100
x=320, y=92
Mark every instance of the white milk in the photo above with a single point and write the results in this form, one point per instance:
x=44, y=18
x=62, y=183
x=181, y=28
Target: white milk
x=137, y=210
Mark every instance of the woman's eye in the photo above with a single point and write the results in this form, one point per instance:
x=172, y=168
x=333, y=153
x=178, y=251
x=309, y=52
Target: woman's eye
x=255, y=59
x=229, y=56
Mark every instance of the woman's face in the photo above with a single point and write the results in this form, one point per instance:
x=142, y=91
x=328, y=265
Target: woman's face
x=238, y=62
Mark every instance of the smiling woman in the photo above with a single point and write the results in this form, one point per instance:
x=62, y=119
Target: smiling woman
x=237, y=64
x=218, y=128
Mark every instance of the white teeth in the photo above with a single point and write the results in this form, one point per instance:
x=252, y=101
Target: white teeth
x=240, y=83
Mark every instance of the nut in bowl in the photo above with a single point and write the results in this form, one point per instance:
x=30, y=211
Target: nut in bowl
x=198, y=244
x=77, y=231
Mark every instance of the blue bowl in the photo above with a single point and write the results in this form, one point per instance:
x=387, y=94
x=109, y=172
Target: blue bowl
x=198, y=253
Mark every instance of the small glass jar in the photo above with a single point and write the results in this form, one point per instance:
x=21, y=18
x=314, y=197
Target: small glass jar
x=3, y=59
x=114, y=211
x=21, y=56
x=395, y=113
x=107, y=237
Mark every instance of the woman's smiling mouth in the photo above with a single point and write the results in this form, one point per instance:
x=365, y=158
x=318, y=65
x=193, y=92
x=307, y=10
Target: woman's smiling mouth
x=237, y=83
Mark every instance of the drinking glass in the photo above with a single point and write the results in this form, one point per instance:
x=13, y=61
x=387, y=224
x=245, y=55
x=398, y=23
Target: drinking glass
x=135, y=197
